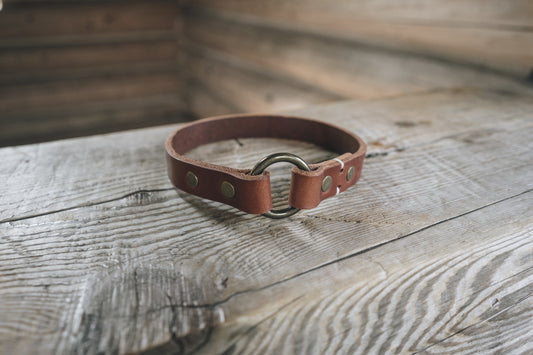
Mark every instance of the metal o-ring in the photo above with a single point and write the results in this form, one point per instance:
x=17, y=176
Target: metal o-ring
x=278, y=158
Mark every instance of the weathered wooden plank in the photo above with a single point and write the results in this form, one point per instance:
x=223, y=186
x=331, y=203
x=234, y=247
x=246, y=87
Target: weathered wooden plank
x=84, y=104
x=143, y=269
x=203, y=101
x=96, y=39
x=473, y=32
x=247, y=87
x=92, y=118
x=346, y=68
x=81, y=18
x=459, y=287
x=169, y=67
x=72, y=102
x=387, y=125
x=18, y=65
x=472, y=252
x=59, y=58
x=37, y=96
x=68, y=103
x=514, y=13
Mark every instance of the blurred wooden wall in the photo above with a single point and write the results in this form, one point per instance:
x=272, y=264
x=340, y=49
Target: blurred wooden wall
x=71, y=68
x=274, y=55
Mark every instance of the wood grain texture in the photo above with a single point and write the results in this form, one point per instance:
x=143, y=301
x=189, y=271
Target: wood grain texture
x=387, y=125
x=38, y=96
x=484, y=33
x=91, y=118
x=235, y=56
x=431, y=252
x=244, y=87
x=352, y=70
x=54, y=109
x=45, y=19
x=419, y=294
x=21, y=64
x=492, y=12
x=88, y=67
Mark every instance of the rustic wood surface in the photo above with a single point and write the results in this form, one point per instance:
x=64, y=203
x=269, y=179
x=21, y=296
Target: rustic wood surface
x=241, y=87
x=487, y=33
x=283, y=54
x=100, y=65
x=431, y=252
x=71, y=68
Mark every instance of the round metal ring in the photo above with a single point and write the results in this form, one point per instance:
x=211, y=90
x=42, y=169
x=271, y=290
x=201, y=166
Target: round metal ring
x=278, y=158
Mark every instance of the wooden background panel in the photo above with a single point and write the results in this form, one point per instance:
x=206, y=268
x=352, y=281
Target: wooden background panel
x=189, y=273
x=235, y=56
x=513, y=13
x=70, y=68
x=24, y=64
x=483, y=33
x=44, y=19
x=32, y=97
x=248, y=88
x=30, y=110
x=349, y=69
x=92, y=118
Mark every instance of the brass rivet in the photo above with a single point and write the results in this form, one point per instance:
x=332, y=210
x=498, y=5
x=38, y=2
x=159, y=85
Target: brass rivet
x=227, y=189
x=349, y=174
x=192, y=180
x=326, y=183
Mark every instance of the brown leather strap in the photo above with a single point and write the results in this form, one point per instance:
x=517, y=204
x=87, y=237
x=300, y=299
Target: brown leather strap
x=252, y=193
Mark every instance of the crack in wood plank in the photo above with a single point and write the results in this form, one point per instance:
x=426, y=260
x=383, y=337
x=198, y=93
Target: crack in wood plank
x=211, y=306
x=360, y=252
x=117, y=262
x=89, y=204
x=429, y=276
x=405, y=138
x=252, y=327
x=144, y=191
x=475, y=324
x=433, y=141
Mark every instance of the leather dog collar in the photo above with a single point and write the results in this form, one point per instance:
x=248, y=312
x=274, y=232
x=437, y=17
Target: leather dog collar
x=249, y=190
